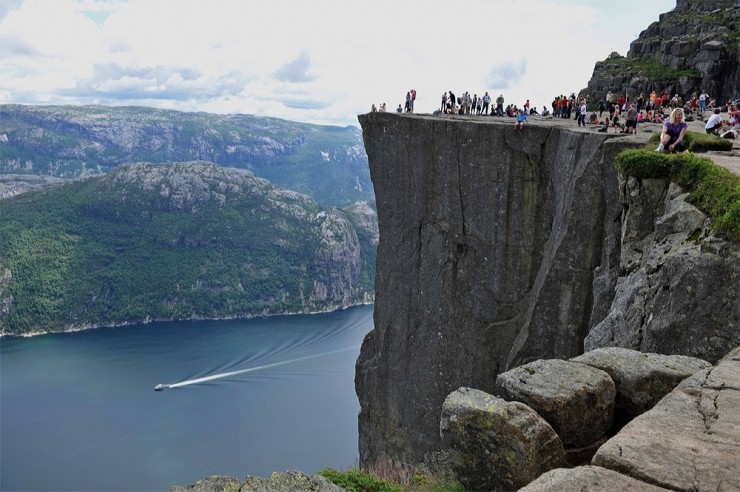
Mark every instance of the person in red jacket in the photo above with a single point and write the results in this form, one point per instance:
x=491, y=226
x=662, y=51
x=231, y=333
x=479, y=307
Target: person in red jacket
x=563, y=107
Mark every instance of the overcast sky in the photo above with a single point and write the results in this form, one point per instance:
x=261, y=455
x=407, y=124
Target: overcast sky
x=318, y=62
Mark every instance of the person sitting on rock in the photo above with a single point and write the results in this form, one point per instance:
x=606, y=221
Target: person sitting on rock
x=674, y=130
x=733, y=112
x=605, y=125
x=521, y=118
x=714, y=123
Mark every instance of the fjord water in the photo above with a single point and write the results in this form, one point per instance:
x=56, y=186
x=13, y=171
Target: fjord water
x=78, y=410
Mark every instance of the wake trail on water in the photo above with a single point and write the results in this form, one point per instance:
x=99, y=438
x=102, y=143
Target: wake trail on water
x=294, y=346
x=259, y=368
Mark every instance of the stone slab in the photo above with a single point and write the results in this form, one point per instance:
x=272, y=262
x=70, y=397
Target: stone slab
x=690, y=441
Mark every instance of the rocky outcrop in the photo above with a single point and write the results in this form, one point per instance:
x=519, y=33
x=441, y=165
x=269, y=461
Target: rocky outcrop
x=689, y=440
x=641, y=379
x=365, y=219
x=492, y=444
x=15, y=184
x=289, y=481
x=338, y=254
x=588, y=478
x=6, y=298
x=213, y=483
x=692, y=48
x=485, y=437
x=678, y=291
x=500, y=248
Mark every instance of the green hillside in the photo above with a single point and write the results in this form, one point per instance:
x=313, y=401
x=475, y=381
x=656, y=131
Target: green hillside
x=327, y=163
x=173, y=241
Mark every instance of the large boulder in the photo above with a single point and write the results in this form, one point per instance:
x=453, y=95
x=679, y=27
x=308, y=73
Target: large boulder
x=689, y=440
x=588, y=478
x=641, y=379
x=496, y=445
x=576, y=399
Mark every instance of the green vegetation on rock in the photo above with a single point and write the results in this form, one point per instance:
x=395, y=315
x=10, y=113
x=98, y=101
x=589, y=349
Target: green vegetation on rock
x=359, y=481
x=325, y=162
x=172, y=241
x=712, y=189
x=648, y=66
x=418, y=480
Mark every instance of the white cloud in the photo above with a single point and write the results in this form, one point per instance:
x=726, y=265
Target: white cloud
x=297, y=70
x=316, y=61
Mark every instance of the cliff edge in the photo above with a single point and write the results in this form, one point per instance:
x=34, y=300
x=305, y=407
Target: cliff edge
x=498, y=248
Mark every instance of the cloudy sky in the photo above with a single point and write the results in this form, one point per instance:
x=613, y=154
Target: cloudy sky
x=314, y=61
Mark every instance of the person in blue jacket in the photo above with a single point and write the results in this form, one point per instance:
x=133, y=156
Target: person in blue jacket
x=520, y=119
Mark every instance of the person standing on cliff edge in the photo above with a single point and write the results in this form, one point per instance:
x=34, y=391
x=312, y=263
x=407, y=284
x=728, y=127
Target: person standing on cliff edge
x=486, y=102
x=582, y=113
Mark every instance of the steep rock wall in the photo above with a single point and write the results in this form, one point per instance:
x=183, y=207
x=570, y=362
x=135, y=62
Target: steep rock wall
x=694, y=47
x=490, y=243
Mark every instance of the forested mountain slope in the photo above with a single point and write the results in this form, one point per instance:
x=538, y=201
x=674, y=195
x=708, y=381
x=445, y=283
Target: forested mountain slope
x=176, y=241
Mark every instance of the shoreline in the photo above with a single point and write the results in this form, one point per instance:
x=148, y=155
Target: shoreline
x=148, y=320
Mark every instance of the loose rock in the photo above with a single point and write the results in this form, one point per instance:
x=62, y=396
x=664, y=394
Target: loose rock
x=576, y=399
x=494, y=444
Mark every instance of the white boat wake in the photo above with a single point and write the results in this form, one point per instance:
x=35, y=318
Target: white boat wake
x=222, y=375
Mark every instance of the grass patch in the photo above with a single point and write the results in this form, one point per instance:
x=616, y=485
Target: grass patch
x=392, y=477
x=712, y=189
x=649, y=66
x=359, y=481
x=657, y=72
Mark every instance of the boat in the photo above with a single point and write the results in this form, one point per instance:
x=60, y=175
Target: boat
x=161, y=387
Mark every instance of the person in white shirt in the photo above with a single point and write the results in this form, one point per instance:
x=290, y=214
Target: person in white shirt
x=703, y=101
x=714, y=122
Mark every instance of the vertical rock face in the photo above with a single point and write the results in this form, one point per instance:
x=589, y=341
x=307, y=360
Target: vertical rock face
x=674, y=294
x=490, y=242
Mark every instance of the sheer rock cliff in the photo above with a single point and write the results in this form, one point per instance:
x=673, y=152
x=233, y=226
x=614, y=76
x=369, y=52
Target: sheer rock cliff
x=498, y=248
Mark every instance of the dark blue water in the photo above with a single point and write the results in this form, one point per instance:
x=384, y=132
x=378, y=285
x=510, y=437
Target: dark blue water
x=78, y=411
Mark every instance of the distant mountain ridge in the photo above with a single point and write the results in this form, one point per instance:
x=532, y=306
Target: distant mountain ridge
x=694, y=47
x=176, y=241
x=327, y=163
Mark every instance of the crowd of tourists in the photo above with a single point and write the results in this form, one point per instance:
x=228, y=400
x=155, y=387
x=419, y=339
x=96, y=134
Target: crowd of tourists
x=615, y=111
